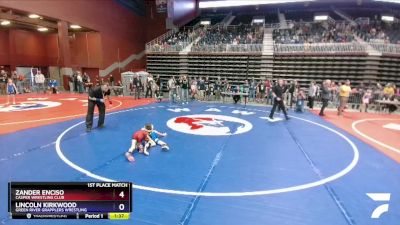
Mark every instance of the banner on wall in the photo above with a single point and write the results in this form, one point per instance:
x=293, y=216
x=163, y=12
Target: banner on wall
x=161, y=6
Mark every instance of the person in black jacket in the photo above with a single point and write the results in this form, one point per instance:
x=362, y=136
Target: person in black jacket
x=326, y=95
x=96, y=98
x=291, y=91
x=277, y=92
x=137, y=86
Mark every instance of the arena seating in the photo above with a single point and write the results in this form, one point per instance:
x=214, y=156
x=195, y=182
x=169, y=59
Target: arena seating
x=308, y=51
x=378, y=31
x=314, y=33
x=242, y=34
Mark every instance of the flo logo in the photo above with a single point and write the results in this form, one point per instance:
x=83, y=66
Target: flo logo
x=380, y=197
x=209, y=125
x=30, y=105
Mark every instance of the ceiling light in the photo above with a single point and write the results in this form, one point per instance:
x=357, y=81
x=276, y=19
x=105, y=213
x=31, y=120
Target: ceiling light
x=258, y=20
x=320, y=18
x=228, y=3
x=33, y=16
x=5, y=22
x=388, y=18
x=42, y=29
x=75, y=26
x=391, y=1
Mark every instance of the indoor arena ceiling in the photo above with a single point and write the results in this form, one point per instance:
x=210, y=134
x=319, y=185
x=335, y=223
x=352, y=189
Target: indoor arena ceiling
x=14, y=19
x=231, y=3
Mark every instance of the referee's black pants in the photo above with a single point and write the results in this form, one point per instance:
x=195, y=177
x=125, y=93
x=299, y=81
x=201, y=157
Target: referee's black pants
x=102, y=112
x=324, y=105
x=281, y=106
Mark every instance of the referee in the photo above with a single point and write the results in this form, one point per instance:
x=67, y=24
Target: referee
x=96, y=97
x=277, y=92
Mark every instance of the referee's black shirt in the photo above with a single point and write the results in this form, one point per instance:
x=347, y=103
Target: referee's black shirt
x=98, y=93
x=278, y=90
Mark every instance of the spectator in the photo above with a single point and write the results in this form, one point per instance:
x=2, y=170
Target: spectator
x=111, y=79
x=208, y=87
x=193, y=89
x=185, y=90
x=388, y=91
x=79, y=80
x=75, y=80
x=292, y=90
x=11, y=91
x=236, y=94
x=217, y=89
x=71, y=83
x=321, y=32
x=118, y=89
x=20, y=83
x=312, y=90
x=172, y=90
x=252, y=89
x=3, y=82
x=86, y=82
x=157, y=81
x=366, y=99
x=39, y=80
x=261, y=89
x=149, y=86
x=14, y=76
x=137, y=86
x=300, y=98
x=344, y=93
x=326, y=95
x=202, y=89
x=53, y=86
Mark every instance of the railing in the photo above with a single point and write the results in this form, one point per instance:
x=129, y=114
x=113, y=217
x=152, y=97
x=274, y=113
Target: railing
x=162, y=46
x=159, y=44
x=320, y=48
x=167, y=48
x=272, y=25
x=228, y=48
x=290, y=23
x=159, y=40
x=386, y=48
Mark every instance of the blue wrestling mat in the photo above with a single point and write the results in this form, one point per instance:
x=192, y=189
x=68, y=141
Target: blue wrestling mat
x=226, y=165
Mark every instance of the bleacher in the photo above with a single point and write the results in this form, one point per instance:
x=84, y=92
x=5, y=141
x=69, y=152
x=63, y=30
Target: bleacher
x=321, y=32
x=379, y=31
x=325, y=58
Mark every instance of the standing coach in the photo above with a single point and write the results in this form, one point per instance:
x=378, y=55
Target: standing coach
x=96, y=97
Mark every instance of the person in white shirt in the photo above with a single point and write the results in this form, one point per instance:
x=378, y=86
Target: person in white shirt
x=149, y=86
x=172, y=89
x=312, y=91
x=80, y=82
x=39, y=80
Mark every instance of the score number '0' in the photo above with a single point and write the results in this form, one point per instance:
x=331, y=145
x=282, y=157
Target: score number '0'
x=121, y=206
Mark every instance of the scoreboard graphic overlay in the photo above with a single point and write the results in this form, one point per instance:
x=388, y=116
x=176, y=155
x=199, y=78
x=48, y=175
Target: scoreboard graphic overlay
x=72, y=200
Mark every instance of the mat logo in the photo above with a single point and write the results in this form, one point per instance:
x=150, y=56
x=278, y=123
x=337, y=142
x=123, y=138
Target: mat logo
x=178, y=110
x=209, y=125
x=30, y=105
x=379, y=197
